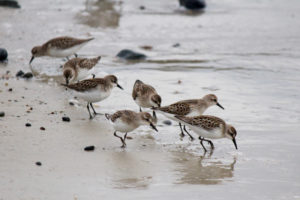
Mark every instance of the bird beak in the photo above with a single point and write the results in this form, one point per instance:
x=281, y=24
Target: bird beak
x=31, y=59
x=152, y=126
x=234, y=142
x=119, y=86
x=220, y=105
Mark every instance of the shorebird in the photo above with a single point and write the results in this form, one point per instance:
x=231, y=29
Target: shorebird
x=191, y=107
x=126, y=121
x=145, y=96
x=94, y=90
x=212, y=127
x=59, y=47
x=78, y=68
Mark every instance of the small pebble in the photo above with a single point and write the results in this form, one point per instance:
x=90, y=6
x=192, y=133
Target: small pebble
x=38, y=163
x=42, y=128
x=10, y=89
x=167, y=122
x=3, y=54
x=142, y=7
x=66, y=119
x=71, y=103
x=89, y=148
x=28, y=124
x=2, y=114
x=28, y=75
x=19, y=73
x=176, y=45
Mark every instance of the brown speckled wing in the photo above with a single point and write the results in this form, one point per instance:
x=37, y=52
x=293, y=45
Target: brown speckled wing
x=86, y=85
x=88, y=63
x=177, y=109
x=125, y=115
x=65, y=42
x=204, y=121
x=141, y=89
x=72, y=63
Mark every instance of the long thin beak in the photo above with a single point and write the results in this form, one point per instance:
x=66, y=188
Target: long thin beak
x=234, y=142
x=31, y=59
x=152, y=126
x=119, y=86
x=220, y=105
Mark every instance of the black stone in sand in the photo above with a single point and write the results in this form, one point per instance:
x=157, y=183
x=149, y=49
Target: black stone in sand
x=3, y=53
x=28, y=75
x=66, y=119
x=89, y=148
x=167, y=122
x=130, y=55
x=193, y=4
x=2, y=114
x=27, y=124
x=19, y=73
x=10, y=3
x=38, y=163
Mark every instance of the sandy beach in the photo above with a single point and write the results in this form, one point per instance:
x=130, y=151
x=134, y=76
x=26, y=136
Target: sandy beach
x=246, y=53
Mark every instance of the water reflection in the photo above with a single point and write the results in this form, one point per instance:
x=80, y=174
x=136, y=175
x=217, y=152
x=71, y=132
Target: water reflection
x=126, y=176
x=101, y=13
x=203, y=170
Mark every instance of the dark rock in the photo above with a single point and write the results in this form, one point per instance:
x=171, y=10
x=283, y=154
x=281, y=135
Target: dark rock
x=130, y=55
x=167, y=122
x=19, y=73
x=142, y=7
x=66, y=119
x=28, y=75
x=3, y=53
x=10, y=3
x=176, y=45
x=28, y=124
x=38, y=163
x=71, y=103
x=2, y=114
x=89, y=148
x=193, y=4
x=10, y=89
x=42, y=128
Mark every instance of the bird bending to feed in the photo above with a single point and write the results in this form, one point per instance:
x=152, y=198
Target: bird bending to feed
x=94, y=90
x=78, y=68
x=145, y=96
x=59, y=47
x=211, y=127
x=190, y=108
x=126, y=121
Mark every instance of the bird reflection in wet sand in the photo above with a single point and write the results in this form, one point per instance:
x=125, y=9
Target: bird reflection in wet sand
x=195, y=170
x=101, y=13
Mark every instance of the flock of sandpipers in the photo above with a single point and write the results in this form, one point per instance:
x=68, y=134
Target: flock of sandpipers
x=186, y=112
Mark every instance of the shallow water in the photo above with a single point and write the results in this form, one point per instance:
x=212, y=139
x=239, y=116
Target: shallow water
x=246, y=52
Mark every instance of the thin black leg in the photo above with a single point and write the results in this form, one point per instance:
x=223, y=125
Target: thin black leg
x=209, y=142
x=67, y=58
x=191, y=137
x=201, y=142
x=75, y=54
x=122, y=140
x=88, y=108
x=181, y=134
x=141, y=109
x=93, y=109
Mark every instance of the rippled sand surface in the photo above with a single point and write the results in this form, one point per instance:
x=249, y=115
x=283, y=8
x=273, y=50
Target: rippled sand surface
x=246, y=52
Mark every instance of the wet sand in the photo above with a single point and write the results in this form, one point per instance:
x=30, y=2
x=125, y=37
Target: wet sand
x=245, y=52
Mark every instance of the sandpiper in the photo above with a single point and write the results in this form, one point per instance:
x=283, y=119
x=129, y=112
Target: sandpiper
x=126, y=121
x=145, y=96
x=78, y=68
x=212, y=127
x=191, y=107
x=59, y=47
x=94, y=90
